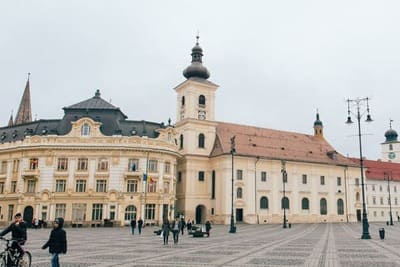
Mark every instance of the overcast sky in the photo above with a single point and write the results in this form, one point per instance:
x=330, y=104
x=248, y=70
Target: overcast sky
x=276, y=62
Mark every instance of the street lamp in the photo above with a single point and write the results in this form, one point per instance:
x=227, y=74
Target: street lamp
x=232, y=229
x=386, y=174
x=284, y=202
x=357, y=103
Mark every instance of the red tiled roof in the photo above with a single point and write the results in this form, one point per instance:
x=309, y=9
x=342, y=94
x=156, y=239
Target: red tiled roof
x=380, y=170
x=274, y=144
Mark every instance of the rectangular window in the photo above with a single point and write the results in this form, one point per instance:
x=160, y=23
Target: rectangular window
x=102, y=165
x=381, y=200
x=263, y=176
x=82, y=164
x=166, y=187
x=152, y=165
x=374, y=200
x=13, y=186
x=373, y=187
x=339, y=181
x=97, y=212
x=10, y=216
x=1, y=187
x=78, y=212
x=131, y=186
x=150, y=211
x=61, y=185
x=101, y=185
x=322, y=179
x=213, y=185
x=179, y=177
x=152, y=187
x=167, y=168
x=80, y=186
x=201, y=176
x=31, y=186
x=357, y=181
x=394, y=188
x=60, y=210
x=239, y=174
x=133, y=165
x=304, y=178
x=3, y=169
x=395, y=201
x=15, y=165
x=33, y=163
x=62, y=164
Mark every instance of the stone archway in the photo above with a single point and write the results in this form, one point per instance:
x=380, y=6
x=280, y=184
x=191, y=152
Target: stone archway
x=200, y=214
x=28, y=215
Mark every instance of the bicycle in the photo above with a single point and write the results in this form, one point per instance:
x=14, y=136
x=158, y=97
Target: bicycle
x=9, y=257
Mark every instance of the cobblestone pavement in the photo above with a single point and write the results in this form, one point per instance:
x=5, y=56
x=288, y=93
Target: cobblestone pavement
x=252, y=245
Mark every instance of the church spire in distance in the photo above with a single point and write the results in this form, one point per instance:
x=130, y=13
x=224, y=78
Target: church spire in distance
x=196, y=69
x=24, y=113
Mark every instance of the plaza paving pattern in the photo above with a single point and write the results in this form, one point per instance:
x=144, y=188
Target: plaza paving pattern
x=252, y=245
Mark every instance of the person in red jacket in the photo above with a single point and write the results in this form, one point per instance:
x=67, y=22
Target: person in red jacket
x=57, y=242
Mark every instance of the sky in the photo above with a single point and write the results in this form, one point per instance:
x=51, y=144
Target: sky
x=276, y=62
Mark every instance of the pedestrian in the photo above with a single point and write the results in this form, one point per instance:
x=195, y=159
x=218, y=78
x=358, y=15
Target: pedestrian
x=189, y=225
x=140, y=225
x=165, y=228
x=208, y=228
x=37, y=224
x=175, y=230
x=34, y=223
x=57, y=242
x=18, y=233
x=133, y=225
x=182, y=225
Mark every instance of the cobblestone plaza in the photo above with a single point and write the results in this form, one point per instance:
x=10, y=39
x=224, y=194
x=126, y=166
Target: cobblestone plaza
x=252, y=245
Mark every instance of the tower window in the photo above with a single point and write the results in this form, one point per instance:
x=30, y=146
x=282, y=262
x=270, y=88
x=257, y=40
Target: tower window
x=181, y=141
x=201, y=140
x=202, y=100
x=183, y=100
x=390, y=147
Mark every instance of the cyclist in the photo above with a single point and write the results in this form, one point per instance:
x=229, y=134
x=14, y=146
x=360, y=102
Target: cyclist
x=18, y=233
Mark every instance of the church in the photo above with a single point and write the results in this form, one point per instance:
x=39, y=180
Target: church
x=95, y=166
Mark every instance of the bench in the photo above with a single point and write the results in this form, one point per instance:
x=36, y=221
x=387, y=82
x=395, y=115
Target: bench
x=199, y=234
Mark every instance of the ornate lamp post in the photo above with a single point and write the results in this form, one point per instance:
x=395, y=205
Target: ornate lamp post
x=357, y=103
x=388, y=178
x=232, y=229
x=284, y=202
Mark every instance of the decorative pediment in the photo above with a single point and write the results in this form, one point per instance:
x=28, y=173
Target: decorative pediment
x=85, y=127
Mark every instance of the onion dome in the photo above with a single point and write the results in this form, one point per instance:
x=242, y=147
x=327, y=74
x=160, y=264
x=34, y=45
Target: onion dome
x=196, y=69
x=317, y=122
x=391, y=135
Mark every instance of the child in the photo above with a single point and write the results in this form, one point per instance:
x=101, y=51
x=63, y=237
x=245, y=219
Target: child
x=57, y=242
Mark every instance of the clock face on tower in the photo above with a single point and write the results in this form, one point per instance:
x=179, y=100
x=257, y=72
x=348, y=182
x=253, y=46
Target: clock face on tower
x=202, y=115
x=392, y=155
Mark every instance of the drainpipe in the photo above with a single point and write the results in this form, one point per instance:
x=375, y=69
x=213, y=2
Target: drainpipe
x=255, y=188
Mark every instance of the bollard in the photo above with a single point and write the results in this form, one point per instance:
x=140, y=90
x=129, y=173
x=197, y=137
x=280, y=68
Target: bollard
x=382, y=233
x=290, y=225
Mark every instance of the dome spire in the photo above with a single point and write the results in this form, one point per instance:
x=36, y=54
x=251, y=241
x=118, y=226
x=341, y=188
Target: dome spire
x=318, y=127
x=391, y=135
x=196, y=69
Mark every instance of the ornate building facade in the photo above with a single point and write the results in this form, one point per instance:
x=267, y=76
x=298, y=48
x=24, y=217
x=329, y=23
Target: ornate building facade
x=94, y=164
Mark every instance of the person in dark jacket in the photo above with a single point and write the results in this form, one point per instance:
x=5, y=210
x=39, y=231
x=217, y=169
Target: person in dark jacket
x=133, y=226
x=18, y=233
x=57, y=242
x=208, y=228
x=165, y=228
x=140, y=225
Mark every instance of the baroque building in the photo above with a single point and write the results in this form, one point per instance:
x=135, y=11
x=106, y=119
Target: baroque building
x=95, y=164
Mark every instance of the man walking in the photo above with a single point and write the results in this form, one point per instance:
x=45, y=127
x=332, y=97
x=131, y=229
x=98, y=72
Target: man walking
x=140, y=225
x=133, y=225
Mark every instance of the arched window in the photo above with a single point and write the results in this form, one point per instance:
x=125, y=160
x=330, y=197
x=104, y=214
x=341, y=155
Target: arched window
x=340, y=207
x=358, y=196
x=201, y=140
x=183, y=100
x=305, y=204
x=130, y=213
x=202, y=100
x=390, y=147
x=181, y=141
x=285, y=203
x=323, y=206
x=85, y=130
x=239, y=193
x=264, y=203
